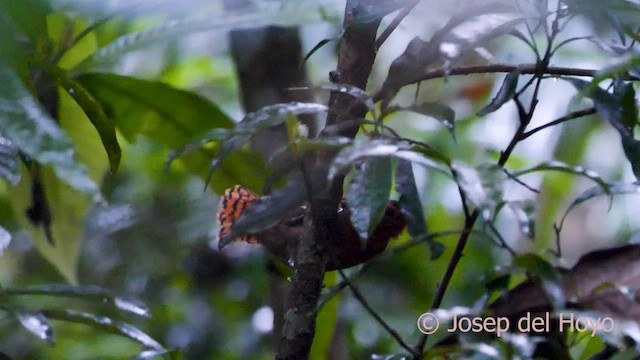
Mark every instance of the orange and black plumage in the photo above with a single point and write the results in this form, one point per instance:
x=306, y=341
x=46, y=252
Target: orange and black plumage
x=346, y=247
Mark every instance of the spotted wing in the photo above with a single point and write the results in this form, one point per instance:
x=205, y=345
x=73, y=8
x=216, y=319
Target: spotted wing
x=234, y=201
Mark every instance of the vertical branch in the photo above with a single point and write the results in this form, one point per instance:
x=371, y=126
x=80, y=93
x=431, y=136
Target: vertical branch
x=357, y=53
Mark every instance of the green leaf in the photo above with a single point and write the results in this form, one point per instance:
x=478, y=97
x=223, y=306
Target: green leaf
x=562, y=167
x=105, y=324
x=96, y=114
x=35, y=323
x=30, y=17
x=469, y=29
x=524, y=212
x=437, y=110
x=368, y=194
x=35, y=133
x=5, y=239
x=609, y=106
x=354, y=91
x=83, y=292
x=504, y=95
x=379, y=147
x=620, y=110
x=68, y=208
x=483, y=186
x=412, y=207
x=9, y=162
x=165, y=114
x=260, y=120
x=548, y=275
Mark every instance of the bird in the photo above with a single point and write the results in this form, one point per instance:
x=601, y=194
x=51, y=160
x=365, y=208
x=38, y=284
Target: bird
x=346, y=247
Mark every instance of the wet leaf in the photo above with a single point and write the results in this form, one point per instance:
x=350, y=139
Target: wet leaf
x=379, y=147
x=483, y=186
x=5, y=239
x=83, y=292
x=472, y=28
x=354, y=91
x=27, y=125
x=68, y=207
x=610, y=106
x=105, y=324
x=368, y=194
x=504, y=95
x=437, y=110
x=566, y=168
x=412, y=207
x=525, y=214
x=96, y=114
x=9, y=162
x=36, y=323
x=165, y=114
x=257, y=121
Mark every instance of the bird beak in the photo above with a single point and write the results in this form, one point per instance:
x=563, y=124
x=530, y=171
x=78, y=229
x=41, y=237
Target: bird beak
x=224, y=241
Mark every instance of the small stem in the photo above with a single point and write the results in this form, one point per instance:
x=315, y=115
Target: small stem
x=395, y=22
x=375, y=315
x=501, y=68
x=570, y=116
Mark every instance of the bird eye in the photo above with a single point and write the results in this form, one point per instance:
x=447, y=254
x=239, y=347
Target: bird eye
x=390, y=212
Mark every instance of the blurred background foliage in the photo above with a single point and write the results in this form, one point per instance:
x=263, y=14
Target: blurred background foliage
x=163, y=72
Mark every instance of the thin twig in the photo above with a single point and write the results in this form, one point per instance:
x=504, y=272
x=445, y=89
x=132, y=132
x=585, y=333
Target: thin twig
x=501, y=241
x=570, y=116
x=501, y=68
x=375, y=315
x=395, y=22
x=527, y=186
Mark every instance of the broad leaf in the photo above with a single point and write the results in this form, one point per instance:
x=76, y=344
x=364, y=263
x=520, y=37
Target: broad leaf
x=94, y=111
x=84, y=292
x=562, y=167
x=412, y=207
x=524, y=212
x=368, y=194
x=380, y=147
x=167, y=115
x=610, y=106
x=504, y=95
x=482, y=186
x=36, y=323
x=356, y=92
x=260, y=120
x=105, y=324
x=470, y=29
x=437, y=110
x=25, y=123
x=68, y=208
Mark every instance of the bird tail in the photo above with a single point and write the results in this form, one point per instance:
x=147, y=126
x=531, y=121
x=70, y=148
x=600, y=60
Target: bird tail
x=234, y=201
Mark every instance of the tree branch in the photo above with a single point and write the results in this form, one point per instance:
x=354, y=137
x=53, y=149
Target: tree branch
x=500, y=68
x=355, y=60
x=375, y=315
x=570, y=116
